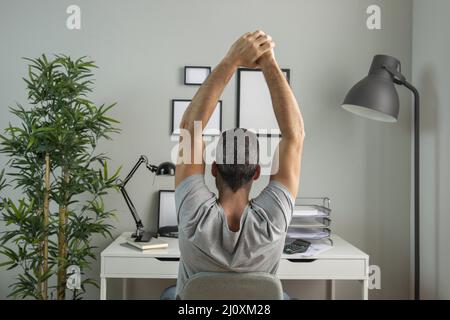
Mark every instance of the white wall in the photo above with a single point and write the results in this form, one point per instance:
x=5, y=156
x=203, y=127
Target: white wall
x=431, y=75
x=141, y=48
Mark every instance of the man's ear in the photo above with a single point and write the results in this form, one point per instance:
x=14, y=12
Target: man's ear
x=214, y=169
x=257, y=172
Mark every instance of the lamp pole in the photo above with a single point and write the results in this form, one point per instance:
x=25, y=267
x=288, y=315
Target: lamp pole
x=416, y=190
x=401, y=80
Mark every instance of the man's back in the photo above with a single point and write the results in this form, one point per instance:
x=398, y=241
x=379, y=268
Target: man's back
x=207, y=243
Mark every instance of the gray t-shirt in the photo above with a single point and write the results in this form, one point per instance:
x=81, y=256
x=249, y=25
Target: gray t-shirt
x=206, y=242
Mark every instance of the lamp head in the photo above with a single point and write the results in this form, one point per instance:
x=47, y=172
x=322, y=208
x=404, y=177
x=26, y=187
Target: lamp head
x=375, y=96
x=166, y=169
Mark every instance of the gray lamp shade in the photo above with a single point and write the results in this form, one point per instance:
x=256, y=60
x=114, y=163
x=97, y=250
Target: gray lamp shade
x=375, y=96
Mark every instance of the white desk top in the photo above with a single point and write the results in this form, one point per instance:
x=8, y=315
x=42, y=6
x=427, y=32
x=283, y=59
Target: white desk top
x=341, y=250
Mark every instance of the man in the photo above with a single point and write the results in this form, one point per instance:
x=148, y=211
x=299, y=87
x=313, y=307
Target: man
x=231, y=233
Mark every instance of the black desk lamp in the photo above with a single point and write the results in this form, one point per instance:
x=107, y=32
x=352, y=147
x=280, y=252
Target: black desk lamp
x=164, y=169
x=375, y=97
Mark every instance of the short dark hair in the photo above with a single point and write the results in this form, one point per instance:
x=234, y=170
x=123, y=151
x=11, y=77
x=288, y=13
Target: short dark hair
x=236, y=173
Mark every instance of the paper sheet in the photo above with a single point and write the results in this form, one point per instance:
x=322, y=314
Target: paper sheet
x=308, y=211
x=315, y=249
x=303, y=223
x=307, y=234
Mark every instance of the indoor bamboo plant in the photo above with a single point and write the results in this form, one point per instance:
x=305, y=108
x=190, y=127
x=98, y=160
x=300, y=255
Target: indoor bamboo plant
x=59, y=179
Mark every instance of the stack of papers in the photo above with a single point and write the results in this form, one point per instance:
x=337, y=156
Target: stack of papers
x=307, y=234
x=310, y=211
x=310, y=222
x=298, y=222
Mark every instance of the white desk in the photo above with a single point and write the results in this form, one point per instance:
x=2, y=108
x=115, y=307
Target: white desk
x=342, y=262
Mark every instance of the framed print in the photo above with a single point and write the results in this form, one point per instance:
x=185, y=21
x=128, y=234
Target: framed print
x=254, y=104
x=212, y=128
x=195, y=75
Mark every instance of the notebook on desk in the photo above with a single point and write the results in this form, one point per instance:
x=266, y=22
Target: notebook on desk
x=154, y=243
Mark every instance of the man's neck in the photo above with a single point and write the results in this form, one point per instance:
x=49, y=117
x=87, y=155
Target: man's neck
x=233, y=205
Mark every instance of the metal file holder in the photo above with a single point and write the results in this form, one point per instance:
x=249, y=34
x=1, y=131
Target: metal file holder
x=324, y=206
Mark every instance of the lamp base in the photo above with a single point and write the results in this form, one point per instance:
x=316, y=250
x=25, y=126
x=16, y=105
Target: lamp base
x=144, y=236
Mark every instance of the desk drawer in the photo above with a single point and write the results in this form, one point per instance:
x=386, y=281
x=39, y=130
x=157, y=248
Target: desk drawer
x=140, y=267
x=322, y=269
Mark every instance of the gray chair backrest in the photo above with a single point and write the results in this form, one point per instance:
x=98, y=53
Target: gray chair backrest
x=232, y=286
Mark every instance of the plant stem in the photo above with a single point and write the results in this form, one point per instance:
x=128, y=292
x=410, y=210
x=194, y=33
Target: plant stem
x=62, y=252
x=40, y=283
x=46, y=216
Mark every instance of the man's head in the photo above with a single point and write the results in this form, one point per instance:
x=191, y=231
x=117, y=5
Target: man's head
x=237, y=160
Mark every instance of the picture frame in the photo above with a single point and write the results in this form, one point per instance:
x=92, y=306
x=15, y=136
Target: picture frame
x=212, y=128
x=253, y=98
x=195, y=75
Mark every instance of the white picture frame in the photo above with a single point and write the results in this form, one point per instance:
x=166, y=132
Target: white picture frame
x=212, y=128
x=254, y=104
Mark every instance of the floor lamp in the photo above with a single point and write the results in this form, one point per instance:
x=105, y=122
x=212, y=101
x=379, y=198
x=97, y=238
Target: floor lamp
x=375, y=97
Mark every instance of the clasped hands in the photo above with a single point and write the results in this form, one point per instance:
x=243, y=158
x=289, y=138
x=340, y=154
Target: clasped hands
x=252, y=50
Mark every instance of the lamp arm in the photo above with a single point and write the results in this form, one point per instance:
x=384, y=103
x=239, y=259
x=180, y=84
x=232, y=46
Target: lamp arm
x=132, y=208
x=141, y=160
x=121, y=184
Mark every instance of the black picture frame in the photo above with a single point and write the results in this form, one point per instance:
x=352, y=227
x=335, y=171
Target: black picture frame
x=186, y=70
x=173, y=125
x=238, y=102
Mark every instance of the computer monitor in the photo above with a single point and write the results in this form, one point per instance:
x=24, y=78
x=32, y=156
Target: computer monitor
x=167, y=214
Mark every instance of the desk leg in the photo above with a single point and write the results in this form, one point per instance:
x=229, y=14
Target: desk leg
x=103, y=289
x=331, y=289
x=365, y=289
x=124, y=289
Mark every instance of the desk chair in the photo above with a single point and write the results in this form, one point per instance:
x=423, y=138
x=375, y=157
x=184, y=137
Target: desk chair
x=232, y=286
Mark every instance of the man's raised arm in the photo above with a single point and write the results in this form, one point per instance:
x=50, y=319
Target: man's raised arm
x=290, y=122
x=244, y=52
